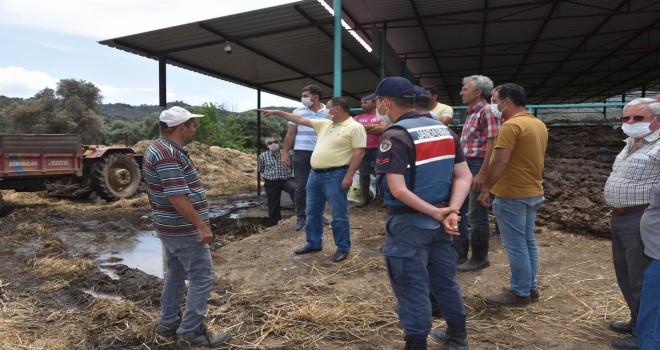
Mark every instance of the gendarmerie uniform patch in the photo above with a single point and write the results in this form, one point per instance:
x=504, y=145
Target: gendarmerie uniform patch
x=386, y=145
x=384, y=156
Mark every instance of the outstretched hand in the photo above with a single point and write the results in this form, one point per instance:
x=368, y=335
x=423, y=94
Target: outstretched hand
x=267, y=112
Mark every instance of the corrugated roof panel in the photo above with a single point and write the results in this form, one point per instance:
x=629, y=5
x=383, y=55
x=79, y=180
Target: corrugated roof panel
x=582, y=48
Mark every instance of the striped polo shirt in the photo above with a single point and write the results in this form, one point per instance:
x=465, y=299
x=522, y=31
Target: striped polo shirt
x=167, y=171
x=306, y=136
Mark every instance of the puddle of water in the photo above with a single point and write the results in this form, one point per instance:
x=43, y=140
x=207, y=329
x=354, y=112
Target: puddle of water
x=146, y=255
x=229, y=209
x=97, y=295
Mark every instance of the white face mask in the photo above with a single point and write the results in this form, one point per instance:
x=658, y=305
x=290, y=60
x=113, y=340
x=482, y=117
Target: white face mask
x=274, y=147
x=328, y=115
x=383, y=117
x=496, y=112
x=306, y=101
x=636, y=130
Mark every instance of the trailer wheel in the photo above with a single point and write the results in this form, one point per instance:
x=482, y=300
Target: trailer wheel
x=115, y=177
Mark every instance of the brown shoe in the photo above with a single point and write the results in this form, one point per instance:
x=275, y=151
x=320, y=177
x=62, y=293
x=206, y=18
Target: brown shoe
x=508, y=299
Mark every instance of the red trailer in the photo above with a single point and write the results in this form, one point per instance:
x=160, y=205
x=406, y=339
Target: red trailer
x=64, y=167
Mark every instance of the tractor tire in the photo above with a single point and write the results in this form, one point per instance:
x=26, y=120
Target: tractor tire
x=115, y=177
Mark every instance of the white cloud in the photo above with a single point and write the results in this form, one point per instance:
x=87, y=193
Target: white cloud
x=133, y=95
x=20, y=82
x=102, y=19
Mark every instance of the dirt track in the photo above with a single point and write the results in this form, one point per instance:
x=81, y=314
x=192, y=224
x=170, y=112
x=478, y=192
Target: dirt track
x=270, y=299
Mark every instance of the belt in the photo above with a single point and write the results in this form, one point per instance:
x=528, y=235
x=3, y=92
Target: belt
x=325, y=170
x=392, y=210
x=630, y=210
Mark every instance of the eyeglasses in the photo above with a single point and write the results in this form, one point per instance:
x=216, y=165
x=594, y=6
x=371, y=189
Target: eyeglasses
x=637, y=118
x=271, y=142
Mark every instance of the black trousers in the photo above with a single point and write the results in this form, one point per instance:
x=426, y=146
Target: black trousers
x=274, y=190
x=629, y=259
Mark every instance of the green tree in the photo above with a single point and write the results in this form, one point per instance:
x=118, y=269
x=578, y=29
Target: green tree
x=208, y=128
x=71, y=108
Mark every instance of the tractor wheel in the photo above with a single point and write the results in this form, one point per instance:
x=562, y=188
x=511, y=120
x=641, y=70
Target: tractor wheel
x=115, y=177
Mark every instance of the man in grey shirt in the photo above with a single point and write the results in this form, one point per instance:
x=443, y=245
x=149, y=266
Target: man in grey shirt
x=635, y=170
x=648, y=319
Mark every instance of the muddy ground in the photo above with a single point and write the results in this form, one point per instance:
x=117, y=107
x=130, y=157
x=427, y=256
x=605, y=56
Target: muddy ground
x=60, y=287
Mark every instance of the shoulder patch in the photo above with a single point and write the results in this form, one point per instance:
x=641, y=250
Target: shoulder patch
x=385, y=146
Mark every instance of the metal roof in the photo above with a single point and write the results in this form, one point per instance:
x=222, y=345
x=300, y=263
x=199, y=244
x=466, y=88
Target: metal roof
x=561, y=51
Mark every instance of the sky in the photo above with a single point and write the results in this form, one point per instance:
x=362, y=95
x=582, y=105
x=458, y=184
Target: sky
x=43, y=41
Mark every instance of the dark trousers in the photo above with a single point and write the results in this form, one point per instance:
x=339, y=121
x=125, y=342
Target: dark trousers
x=274, y=190
x=629, y=259
x=301, y=169
x=366, y=166
x=421, y=260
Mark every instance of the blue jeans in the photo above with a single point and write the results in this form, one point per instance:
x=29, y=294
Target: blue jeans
x=367, y=163
x=516, y=219
x=322, y=187
x=474, y=224
x=420, y=261
x=185, y=259
x=648, y=319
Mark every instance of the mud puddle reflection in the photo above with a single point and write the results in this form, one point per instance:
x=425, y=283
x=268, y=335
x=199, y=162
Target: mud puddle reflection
x=146, y=252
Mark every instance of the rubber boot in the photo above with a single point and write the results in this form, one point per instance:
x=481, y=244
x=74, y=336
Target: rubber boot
x=461, y=246
x=365, y=196
x=479, y=258
x=454, y=337
x=415, y=343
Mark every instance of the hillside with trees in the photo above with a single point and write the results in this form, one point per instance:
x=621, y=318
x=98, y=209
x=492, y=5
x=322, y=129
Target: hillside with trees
x=75, y=107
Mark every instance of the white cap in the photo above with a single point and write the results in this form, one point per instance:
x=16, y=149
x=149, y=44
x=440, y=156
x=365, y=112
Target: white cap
x=176, y=115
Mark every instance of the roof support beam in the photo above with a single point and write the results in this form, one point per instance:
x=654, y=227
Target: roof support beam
x=428, y=44
x=612, y=86
x=612, y=52
x=483, y=38
x=536, y=38
x=330, y=36
x=578, y=47
x=246, y=37
x=266, y=56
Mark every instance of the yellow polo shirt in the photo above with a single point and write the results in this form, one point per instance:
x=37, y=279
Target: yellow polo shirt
x=335, y=143
x=527, y=137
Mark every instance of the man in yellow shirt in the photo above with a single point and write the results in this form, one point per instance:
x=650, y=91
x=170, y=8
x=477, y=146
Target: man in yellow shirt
x=440, y=111
x=515, y=178
x=336, y=157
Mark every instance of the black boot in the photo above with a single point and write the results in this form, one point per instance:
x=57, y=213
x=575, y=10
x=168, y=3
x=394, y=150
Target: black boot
x=479, y=258
x=454, y=337
x=461, y=246
x=415, y=343
x=365, y=196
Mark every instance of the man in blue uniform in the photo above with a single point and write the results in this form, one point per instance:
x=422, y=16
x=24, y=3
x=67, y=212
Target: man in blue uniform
x=426, y=182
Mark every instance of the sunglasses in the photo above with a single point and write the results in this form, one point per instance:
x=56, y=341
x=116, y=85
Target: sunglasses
x=271, y=142
x=637, y=118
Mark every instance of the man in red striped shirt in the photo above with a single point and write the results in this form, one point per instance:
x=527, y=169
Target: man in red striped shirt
x=180, y=217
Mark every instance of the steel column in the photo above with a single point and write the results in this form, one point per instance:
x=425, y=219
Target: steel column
x=337, y=80
x=258, y=138
x=162, y=77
